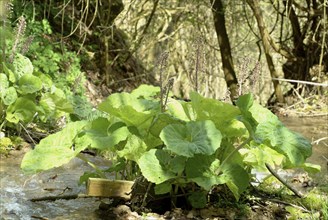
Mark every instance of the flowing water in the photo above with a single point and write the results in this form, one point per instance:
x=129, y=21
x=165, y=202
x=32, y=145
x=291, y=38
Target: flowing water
x=17, y=188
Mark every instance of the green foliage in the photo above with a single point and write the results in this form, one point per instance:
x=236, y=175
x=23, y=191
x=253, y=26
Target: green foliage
x=190, y=143
x=5, y=145
x=57, y=147
x=55, y=60
x=8, y=144
x=200, y=137
x=36, y=87
x=26, y=96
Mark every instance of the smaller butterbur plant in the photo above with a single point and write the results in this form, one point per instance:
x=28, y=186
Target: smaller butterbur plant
x=27, y=96
x=182, y=151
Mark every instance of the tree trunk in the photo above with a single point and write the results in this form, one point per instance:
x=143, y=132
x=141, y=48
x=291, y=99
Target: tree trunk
x=225, y=49
x=254, y=4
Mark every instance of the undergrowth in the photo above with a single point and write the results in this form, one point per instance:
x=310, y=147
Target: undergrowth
x=41, y=80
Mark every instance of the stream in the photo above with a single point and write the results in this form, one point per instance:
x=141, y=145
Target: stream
x=17, y=188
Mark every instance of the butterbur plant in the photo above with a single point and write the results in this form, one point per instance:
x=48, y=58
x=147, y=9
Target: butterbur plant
x=190, y=147
x=26, y=95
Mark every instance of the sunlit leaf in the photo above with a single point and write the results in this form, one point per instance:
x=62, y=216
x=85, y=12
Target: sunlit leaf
x=100, y=136
x=152, y=166
x=293, y=145
x=311, y=168
x=244, y=103
x=199, y=137
x=22, y=66
x=133, y=149
x=181, y=110
x=54, y=150
x=223, y=115
x=4, y=82
x=161, y=121
x=29, y=84
x=129, y=109
x=258, y=155
x=9, y=96
x=9, y=72
x=146, y=91
x=55, y=105
x=23, y=109
x=46, y=80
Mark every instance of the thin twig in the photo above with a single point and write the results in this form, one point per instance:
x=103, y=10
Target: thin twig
x=302, y=82
x=282, y=202
x=144, y=203
x=275, y=174
x=27, y=132
x=302, y=115
x=319, y=140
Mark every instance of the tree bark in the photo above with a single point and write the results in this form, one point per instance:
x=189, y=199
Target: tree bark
x=225, y=49
x=254, y=4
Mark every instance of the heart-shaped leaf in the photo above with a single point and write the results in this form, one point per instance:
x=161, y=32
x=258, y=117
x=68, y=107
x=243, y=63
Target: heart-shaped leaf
x=29, y=84
x=152, y=165
x=192, y=138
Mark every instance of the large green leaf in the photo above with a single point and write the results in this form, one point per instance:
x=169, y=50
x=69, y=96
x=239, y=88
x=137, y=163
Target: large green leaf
x=227, y=149
x=55, y=105
x=259, y=154
x=203, y=170
x=199, y=137
x=262, y=114
x=129, y=109
x=181, y=110
x=23, y=109
x=133, y=149
x=29, y=84
x=163, y=188
x=22, y=66
x=153, y=166
x=146, y=91
x=9, y=72
x=236, y=178
x=293, y=145
x=100, y=135
x=160, y=121
x=9, y=96
x=244, y=103
x=46, y=80
x=54, y=150
x=224, y=115
x=266, y=128
x=4, y=82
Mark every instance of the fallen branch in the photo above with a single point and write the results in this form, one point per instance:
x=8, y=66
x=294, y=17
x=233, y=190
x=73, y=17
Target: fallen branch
x=281, y=202
x=66, y=197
